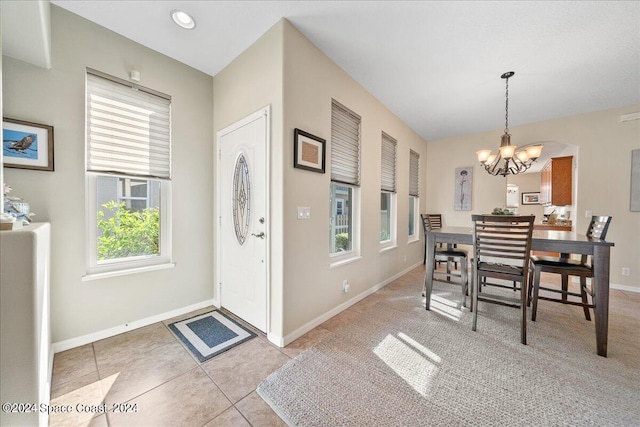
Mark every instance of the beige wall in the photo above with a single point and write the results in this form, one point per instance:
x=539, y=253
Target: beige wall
x=527, y=183
x=252, y=81
x=311, y=288
x=57, y=97
x=603, y=162
x=284, y=70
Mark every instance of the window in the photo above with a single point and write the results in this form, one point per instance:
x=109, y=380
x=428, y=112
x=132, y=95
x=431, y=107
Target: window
x=388, y=190
x=345, y=179
x=414, y=192
x=128, y=175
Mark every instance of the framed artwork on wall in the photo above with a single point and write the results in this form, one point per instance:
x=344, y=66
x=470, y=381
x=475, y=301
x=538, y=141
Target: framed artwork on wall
x=27, y=145
x=464, y=180
x=308, y=151
x=530, y=198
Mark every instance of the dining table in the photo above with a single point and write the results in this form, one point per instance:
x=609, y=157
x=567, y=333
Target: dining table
x=564, y=242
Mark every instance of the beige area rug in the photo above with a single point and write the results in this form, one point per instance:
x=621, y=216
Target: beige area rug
x=399, y=365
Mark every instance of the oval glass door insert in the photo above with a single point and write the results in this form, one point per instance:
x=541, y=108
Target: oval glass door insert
x=241, y=199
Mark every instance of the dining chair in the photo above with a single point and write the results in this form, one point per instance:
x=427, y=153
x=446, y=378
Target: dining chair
x=501, y=250
x=448, y=255
x=565, y=266
x=434, y=222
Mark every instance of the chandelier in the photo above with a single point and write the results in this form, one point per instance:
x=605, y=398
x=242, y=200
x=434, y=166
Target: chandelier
x=507, y=161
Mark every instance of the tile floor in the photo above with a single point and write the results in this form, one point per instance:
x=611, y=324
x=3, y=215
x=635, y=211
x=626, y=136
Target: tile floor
x=151, y=368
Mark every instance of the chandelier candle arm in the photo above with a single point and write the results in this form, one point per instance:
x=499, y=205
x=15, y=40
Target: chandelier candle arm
x=514, y=162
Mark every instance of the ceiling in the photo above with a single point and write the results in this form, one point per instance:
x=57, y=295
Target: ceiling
x=435, y=64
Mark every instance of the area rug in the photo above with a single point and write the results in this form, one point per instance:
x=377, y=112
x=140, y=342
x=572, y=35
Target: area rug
x=209, y=334
x=399, y=365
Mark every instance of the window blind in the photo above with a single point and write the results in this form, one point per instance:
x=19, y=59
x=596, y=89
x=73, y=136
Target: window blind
x=345, y=145
x=414, y=173
x=128, y=129
x=388, y=169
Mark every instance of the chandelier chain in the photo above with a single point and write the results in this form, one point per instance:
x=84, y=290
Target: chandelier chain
x=506, y=109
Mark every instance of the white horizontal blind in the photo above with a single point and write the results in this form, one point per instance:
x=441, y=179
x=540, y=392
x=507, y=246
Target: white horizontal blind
x=414, y=173
x=128, y=129
x=345, y=145
x=388, y=170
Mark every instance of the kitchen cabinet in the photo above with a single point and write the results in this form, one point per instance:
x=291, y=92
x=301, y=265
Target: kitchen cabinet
x=556, y=182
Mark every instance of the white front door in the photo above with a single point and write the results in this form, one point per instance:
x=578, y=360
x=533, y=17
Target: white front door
x=242, y=218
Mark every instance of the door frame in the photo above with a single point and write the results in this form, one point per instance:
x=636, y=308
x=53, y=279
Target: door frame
x=266, y=112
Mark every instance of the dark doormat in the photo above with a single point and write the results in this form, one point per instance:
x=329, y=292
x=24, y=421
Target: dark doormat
x=210, y=334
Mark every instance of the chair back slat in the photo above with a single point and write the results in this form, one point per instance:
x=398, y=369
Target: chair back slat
x=498, y=237
x=598, y=227
x=435, y=221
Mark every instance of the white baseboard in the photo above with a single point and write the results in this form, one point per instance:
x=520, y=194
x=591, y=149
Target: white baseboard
x=635, y=289
x=282, y=342
x=57, y=347
x=627, y=288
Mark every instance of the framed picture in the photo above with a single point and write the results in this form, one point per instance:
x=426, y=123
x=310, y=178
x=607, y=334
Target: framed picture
x=464, y=180
x=530, y=198
x=308, y=151
x=27, y=145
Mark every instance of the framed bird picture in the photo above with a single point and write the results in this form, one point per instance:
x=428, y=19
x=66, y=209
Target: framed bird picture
x=27, y=145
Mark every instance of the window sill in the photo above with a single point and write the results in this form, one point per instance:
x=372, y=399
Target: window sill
x=388, y=248
x=104, y=275
x=344, y=262
x=415, y=240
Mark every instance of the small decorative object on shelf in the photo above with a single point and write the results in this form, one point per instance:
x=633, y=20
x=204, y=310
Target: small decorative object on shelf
x=500, y=211
x=8, y=222
x=16, y=212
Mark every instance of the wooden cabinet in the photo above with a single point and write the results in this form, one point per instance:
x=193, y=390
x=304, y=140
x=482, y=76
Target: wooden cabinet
x=556, y=182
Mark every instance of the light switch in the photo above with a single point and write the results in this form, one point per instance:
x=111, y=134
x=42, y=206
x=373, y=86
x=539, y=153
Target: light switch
x=304, y=212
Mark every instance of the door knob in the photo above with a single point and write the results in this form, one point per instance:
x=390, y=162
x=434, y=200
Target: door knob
x=260, y=235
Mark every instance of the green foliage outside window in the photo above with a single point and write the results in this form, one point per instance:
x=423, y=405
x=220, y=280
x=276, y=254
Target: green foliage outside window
x=124, y=233
x=342, y=242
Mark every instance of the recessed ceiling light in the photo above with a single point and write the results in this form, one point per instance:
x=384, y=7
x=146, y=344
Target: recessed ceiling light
x=183, y=19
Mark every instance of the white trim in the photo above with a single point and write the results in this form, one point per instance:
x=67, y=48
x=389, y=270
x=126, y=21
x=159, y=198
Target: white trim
x=329, y=314
x=387, y=249
x=59, y=346
x=97, y=276
x=629, y=117
x=625, y=288
x=344, y=262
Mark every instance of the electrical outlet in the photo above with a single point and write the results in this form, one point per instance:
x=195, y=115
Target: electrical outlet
x=304, y=212
x=405, y=258
x=345, y=286
x=588, y=214
x=626, y=271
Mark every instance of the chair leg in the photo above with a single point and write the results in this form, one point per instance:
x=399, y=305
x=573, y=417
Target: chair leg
x=583, y=294
x=474, y=300
x=530, y=287
x=536, y=290
x=565, y=286
x=523, y=305
x=464, y=280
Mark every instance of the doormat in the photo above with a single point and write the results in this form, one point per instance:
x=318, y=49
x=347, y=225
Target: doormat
x=210, y=334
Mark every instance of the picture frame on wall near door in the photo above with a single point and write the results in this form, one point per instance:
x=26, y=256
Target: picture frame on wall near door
x=308, y=151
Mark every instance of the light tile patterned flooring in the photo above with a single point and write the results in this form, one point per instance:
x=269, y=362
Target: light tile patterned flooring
x=151, y=368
